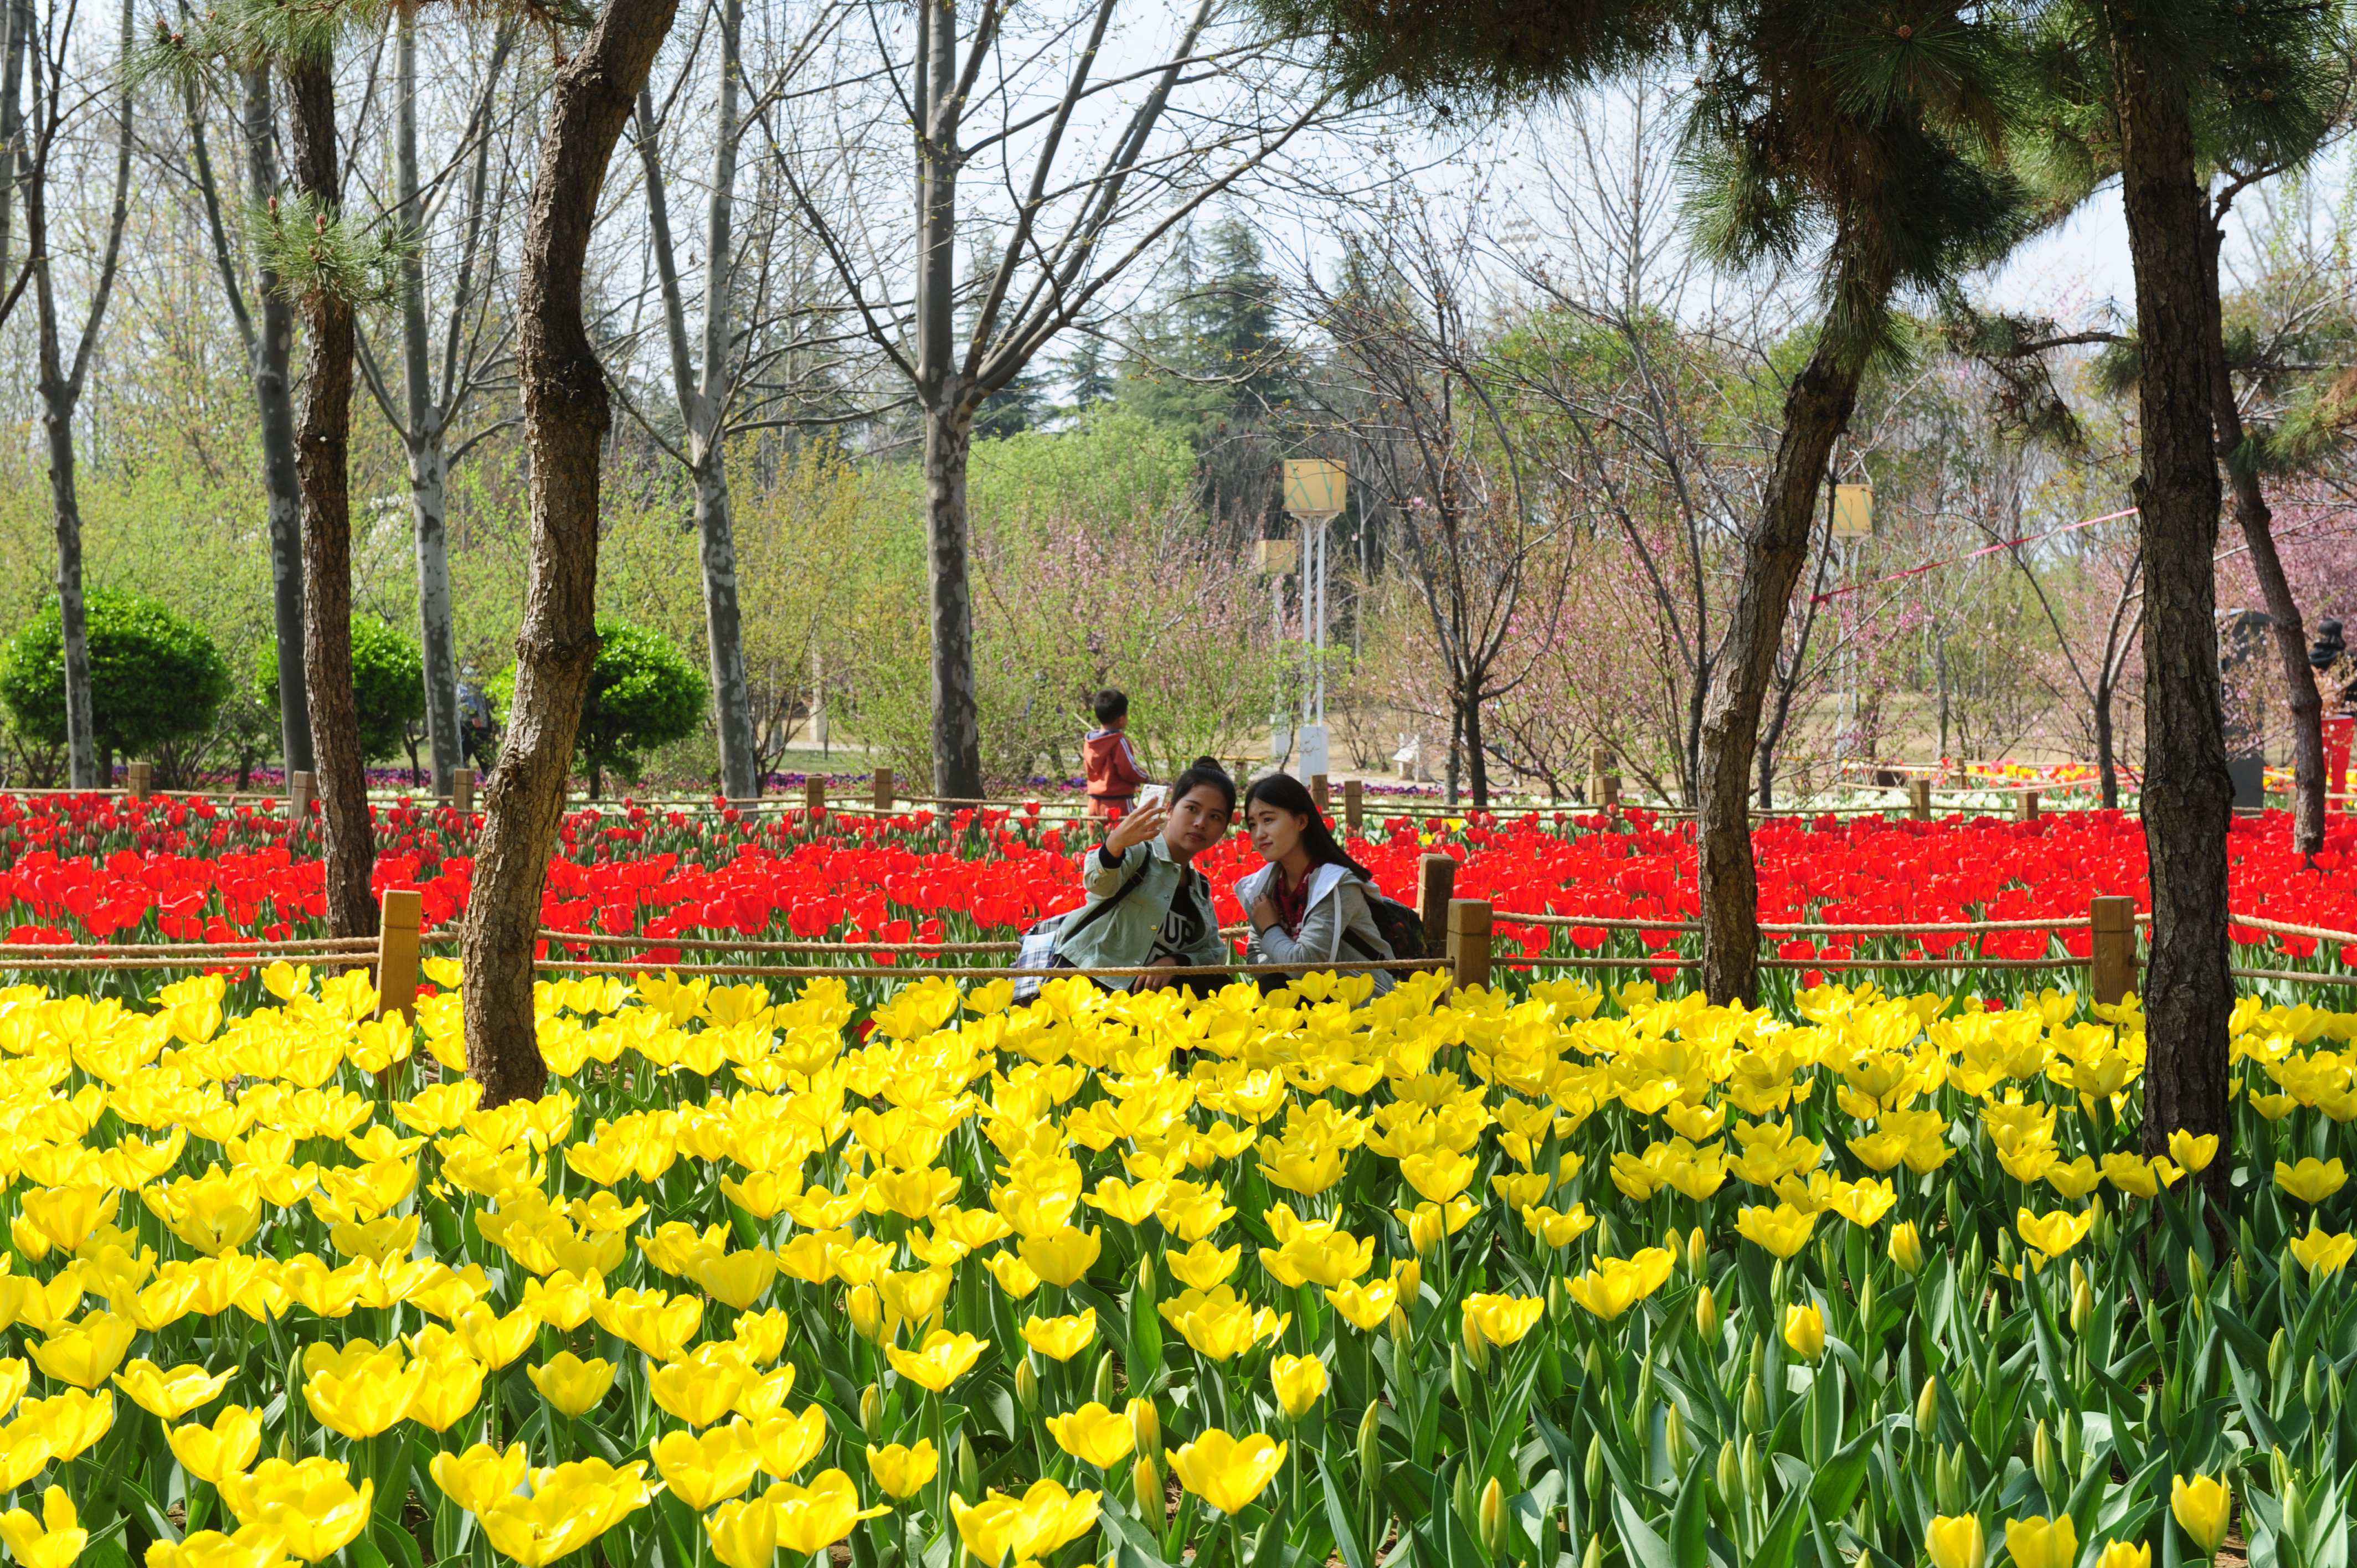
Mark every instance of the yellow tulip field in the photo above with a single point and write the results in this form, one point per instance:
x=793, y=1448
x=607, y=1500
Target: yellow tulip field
x=1543, y=1275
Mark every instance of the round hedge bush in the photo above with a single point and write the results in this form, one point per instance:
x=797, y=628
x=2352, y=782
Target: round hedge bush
x=155, y=677
x=644, y=695
x=388, y=684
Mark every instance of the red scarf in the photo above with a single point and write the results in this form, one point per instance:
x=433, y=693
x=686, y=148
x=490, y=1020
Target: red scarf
x=1292, y=903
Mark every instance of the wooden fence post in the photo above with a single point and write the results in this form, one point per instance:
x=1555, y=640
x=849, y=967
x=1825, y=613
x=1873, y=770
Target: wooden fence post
x=302, y=788
x=462, y=790
x=884, y=787
x=2025, y=806
x=1435, y=885
x=1919, y=798
x=2113, y=923
x=1600, y=763
x=815, y=793
x=399, y=916
x=1355, y=806
x=1320, y=795
x=141, y=774
x=1468, y=942
x=1608, y=792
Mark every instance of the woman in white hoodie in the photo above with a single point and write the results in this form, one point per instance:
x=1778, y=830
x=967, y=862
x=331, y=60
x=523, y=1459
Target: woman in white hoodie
x=1309, y=904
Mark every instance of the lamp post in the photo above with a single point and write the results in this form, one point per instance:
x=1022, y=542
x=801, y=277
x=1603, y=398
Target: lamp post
x=1316, y=490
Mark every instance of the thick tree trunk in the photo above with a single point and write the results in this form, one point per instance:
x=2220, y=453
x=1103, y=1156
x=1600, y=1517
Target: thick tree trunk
x=957, y=734
x=1816, y=411
x=732, y=696
x=426, y=419
x=275, y=407
x=566, y=415
x=2188, y=797
x=2257, y=521
x=322, y=446
x=1477, y=764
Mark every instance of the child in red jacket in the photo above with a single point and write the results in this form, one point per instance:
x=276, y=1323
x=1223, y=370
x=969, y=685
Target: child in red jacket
x=1113, y=775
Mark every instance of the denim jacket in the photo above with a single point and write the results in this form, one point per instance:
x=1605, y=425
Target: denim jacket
x=1152, y=922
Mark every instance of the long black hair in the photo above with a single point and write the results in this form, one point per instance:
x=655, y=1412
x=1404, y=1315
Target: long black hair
x=1201, y=772
x=1287, y=793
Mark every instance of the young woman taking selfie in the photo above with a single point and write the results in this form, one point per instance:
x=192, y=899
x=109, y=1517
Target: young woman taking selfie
x=1147, y=904
x=1308, y=905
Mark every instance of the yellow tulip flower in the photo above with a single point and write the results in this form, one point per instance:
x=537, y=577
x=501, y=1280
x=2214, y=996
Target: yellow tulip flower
x=2041, y=1542
x=170, y=1394
x=1226, y=1472
x=2202, y=1508
x=87, y=1354
x=52, y=1540
x=1782, y=1231
x=224, y=1448
x=252, y=1547
x=787, y=1443
x=901, y=1471
x=310, y=1504
x=2125, y=1554
x=811, y=1519
x=2311, y=1180
x=573, y=1386
x=1300, y=1381
x=1955, y=1541
x=1805, y=1331
x=1501, y=1320
x=703, y=1469
x=1061, y=1338
x=2321, y=1254
x=1094, y=1434
x=941, y=1360
x=1612, y=1285
x=1906, y=1247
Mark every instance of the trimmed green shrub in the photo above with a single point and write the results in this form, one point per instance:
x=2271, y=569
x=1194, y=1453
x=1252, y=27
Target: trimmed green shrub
x=154, y=678
x=388, y=684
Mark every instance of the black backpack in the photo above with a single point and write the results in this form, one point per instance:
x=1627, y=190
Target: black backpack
x=1401, y=928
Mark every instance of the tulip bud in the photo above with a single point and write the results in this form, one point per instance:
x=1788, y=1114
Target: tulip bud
x=1697, y=1252
x=2278, y=1468
x=1100, y=1389
x=2276, y=1348
x=1145, y=1490
x=1592, y=1472
x=871, y=1406
x=1948, y=1482
x=1927, y=1406
x=2311, y=1387
x=1594, y=1556
x=1907, y=1247
x=1754, y=1481
x=1706, y=1313
x=2197, y=1273
x=2044, y=1464
x=2005, y=1250
x=1460, y=1498
x=1674, y=1437
x=1755, y=1403
x=2073, y=1449
x=2242, y=1277
x=866, y=1311
x=1477, y=1347
x=2083, y=1306
x=1370, y=1446
x=969, y=1469
x=1397, y=1325
x=1866, y=1308
x=1146, y=1425
x=1606, y=1246
x=1460, y=1381
x=1729, y=1475
x=1595, y=1363
x=1027, y=1385
x=1492, y=1512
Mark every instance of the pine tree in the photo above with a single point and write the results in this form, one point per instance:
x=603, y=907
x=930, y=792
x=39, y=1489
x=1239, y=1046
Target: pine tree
x=1828, y=125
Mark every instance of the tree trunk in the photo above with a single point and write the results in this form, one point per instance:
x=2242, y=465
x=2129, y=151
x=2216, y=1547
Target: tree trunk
x=274, y=406
x=2107, y=763
x=2257, y=521
x=1477, y=764
x=16, y=16
x=2188, y=797
x=957, y=734
x=1816, y=411
x=322, y=446
x=428, y=464
x=566, y=415
x=65, y=510
x=732, y=696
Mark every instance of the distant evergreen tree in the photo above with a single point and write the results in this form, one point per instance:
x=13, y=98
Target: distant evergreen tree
x=1092, y=379
x=1022, y=402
